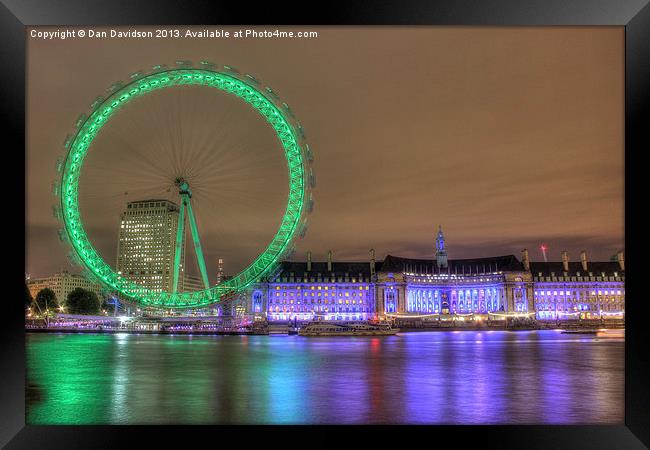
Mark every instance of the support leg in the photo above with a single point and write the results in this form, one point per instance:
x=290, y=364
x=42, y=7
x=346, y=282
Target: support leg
x=197, y=245
x=179, y=243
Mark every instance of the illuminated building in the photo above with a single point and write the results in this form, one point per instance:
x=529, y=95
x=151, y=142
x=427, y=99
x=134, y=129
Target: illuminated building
x=585, y=290
x=147, y=244
x=220, y=271
x=62, y=284
x=492, y=287
x=333, y=291
x=465, y=286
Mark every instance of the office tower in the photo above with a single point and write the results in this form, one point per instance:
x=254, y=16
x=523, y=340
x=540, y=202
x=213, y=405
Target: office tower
x=146, y=244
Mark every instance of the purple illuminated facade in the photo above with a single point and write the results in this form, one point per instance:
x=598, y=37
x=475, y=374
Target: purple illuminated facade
x=418, y=287
x=490, y=288
x=580, y=290
x=329, y=291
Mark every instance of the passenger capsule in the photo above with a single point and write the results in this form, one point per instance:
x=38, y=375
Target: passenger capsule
x=115, y=87
x=312, y=178
x=63, y=236
x=272, y=93
x=231, y=69
x=60, y=162
x=137, y=75
x=73, y=259
x=301, y=131
x=252, y=79
x=80, y=120
x=96, y=103
x=288, y=110
x=290, y=253
x=206, y=65
x=310, y=204
x=303, y=229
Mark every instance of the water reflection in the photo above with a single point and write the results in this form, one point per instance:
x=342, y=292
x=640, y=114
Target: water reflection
x=428, y=377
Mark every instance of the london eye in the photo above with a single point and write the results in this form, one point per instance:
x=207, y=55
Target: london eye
x=195, y=159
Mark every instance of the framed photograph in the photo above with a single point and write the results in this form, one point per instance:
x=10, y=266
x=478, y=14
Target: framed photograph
x=413, y=220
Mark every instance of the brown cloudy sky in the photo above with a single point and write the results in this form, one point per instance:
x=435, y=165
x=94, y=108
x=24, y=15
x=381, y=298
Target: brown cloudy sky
x=508, y=137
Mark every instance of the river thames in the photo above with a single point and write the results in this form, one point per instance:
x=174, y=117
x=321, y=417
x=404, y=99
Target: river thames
x=450, y=377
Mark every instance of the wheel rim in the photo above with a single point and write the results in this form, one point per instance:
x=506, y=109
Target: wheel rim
x=266, y=103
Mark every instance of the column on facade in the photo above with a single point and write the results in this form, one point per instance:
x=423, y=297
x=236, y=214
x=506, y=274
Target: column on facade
x=530, y=297
x=401, y=299
x=524, y=298
x=510, y=298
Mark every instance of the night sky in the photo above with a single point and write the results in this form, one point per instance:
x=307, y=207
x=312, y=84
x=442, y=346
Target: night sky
x=508, y=137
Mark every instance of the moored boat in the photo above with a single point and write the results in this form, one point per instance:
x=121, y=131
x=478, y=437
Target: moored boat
x=579, y=331
x=327, y=328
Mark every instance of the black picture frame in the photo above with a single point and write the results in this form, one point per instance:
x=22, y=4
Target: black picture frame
x=16, y=15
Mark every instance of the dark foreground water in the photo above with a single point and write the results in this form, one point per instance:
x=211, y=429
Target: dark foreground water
x=464, y=377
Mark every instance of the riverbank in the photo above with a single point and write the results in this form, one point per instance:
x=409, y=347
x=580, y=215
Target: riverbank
x=567, y=328
x=129, y=331
x=552, y=326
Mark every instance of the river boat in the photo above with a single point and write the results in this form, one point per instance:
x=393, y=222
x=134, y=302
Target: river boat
x=579, y=331
x=327, y=328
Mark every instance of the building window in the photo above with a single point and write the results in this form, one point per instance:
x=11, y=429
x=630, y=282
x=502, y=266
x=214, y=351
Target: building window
x=257, y=301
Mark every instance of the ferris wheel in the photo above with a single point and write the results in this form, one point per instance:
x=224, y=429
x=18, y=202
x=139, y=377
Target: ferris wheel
x=105, y=109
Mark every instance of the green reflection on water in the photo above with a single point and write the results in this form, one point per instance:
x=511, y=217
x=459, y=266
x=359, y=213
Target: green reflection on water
x=76, y=393
x=94, y=379
x=143, y=379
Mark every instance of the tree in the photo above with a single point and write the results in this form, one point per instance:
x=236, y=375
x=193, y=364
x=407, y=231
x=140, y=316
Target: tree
x=28, y=297
x=45, y=300
x=82, y=301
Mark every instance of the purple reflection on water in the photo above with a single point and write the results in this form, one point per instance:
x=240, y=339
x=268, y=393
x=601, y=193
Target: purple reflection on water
x=469, y=377
x=491, y=377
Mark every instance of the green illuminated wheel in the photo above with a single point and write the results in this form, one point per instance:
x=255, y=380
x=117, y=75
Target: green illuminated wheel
x=264, y=101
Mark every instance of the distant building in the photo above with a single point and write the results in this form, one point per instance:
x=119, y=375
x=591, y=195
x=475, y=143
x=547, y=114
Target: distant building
x=220, y=271
x=62, y=284
x=147, y=245
x=192, y=283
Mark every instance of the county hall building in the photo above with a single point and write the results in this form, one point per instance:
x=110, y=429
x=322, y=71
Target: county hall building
x=492, y=287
